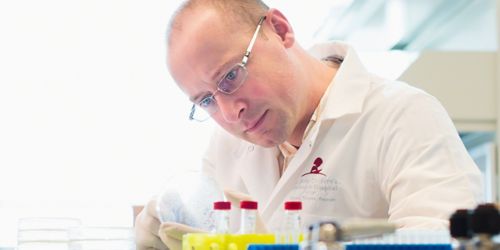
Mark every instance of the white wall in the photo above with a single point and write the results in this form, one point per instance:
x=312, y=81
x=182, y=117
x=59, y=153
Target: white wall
x=86, y=104
x=90, y=121
x=88, y=113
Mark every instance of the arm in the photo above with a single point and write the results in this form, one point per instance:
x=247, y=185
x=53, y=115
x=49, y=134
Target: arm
x=427, y=172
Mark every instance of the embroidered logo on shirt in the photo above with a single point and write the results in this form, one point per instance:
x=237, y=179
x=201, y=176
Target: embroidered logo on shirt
x=315, y=168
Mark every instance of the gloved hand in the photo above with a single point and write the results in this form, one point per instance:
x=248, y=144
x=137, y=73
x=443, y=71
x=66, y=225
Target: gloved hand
x=171, y=234
x=147, y=227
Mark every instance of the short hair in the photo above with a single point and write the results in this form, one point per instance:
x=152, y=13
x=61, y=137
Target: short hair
x=243, y=12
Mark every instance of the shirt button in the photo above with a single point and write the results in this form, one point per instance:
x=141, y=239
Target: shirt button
x=250, y=148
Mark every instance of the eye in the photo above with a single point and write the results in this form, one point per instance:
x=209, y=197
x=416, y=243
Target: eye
x=231, y=80
x=207, y=101
x=231, y=75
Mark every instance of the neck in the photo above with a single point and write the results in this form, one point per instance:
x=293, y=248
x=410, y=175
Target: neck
x=317, y=78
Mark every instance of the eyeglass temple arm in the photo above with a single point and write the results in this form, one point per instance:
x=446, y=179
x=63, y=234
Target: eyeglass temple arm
x=191, y=114
x=250, y=46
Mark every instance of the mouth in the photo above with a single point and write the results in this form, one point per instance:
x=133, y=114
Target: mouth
x=257, y=124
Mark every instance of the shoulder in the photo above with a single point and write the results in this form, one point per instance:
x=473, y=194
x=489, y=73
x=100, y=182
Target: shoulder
x=393, y=91
x=392, y=97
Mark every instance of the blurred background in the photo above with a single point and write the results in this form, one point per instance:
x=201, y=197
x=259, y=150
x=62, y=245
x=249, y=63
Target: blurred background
x=91, y=123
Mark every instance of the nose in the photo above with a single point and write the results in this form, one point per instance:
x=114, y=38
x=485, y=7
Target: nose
x=230, y=107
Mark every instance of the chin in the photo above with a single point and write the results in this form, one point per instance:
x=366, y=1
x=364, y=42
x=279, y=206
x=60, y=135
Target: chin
x=266, y=141
x=268, y=144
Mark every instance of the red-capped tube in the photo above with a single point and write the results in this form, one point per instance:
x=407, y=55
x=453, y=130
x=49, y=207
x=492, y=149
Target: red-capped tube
x=293, y=205
x=221, y=215
x=248, y=217
x=248, y=205
x=222, y=205
x=290, y=231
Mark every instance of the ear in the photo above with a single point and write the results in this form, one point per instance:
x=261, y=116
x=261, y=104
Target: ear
x=280, y=25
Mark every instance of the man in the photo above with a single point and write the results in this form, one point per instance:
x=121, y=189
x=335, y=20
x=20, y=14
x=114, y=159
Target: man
x=311, y=125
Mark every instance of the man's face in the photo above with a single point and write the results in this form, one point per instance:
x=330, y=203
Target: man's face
x=264, y=109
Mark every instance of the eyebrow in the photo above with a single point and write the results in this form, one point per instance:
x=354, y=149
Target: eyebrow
x=194, y=99
x=222, y=68
x=212, y=77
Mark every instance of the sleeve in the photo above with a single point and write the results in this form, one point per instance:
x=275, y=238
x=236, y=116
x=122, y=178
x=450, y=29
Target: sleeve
x=218, y=160
x=426, y=171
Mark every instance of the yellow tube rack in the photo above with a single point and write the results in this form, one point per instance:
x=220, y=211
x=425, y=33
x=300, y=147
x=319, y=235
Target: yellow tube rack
x=197, y=241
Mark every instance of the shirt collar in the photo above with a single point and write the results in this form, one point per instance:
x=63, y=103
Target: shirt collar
x=344, y=95
x=348, y=89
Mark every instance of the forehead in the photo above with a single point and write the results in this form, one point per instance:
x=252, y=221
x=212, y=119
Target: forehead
x=199, y=47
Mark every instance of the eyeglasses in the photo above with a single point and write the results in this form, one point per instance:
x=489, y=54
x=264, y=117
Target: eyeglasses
x=230, y=82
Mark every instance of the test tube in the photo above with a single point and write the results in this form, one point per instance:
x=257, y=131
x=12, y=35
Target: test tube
x=248, y=217
x=292, y=226
x=221, y=214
